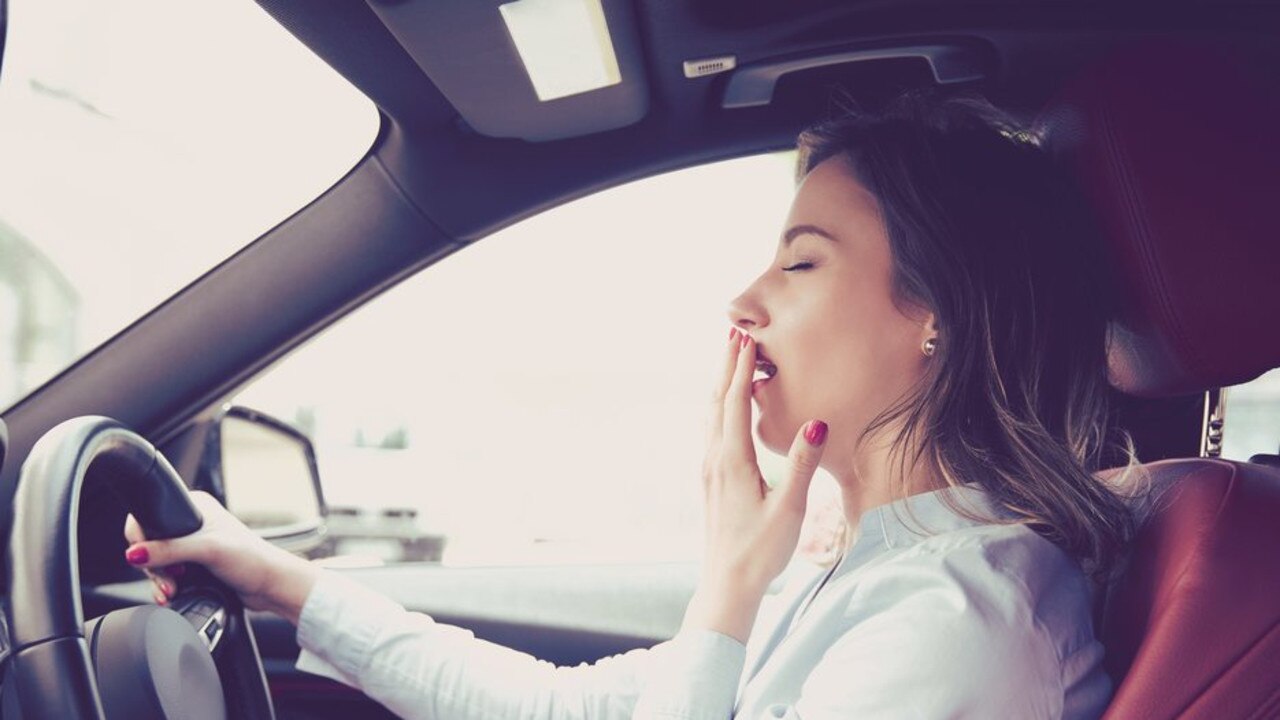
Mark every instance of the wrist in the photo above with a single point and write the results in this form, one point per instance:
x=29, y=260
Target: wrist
x=291, y=579
x=731, y=613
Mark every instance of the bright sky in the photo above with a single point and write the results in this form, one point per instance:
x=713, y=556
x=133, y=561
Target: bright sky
x=143, y=141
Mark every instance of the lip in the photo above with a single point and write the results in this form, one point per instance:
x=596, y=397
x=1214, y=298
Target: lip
x=761, y=356
x=756, y=385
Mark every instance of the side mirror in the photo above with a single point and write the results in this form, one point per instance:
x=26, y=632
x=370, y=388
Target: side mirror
x=265, y=472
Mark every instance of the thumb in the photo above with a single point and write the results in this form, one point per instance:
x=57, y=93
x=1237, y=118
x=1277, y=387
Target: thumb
x=802, y=459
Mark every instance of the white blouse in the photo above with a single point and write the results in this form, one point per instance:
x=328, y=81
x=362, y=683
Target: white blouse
x=927, y=615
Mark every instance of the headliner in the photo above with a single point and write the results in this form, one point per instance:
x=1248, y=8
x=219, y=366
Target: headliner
x=470, y=185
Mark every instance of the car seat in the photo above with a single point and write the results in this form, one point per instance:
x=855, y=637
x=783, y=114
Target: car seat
x=1177, y=146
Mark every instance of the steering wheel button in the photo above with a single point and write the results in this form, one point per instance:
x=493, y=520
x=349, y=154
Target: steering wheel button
x=196, y=611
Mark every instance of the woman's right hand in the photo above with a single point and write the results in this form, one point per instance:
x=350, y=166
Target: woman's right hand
x=264, y=576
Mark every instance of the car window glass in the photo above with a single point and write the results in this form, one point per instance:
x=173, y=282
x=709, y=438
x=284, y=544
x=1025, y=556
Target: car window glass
x=1252, y=424
x=142, y=142
x=540, y=396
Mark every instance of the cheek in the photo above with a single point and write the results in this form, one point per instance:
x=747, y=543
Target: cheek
x=869, y=357
x=852, y=355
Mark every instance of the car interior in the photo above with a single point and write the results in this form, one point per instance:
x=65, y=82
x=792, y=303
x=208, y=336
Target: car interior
x=1167, y=118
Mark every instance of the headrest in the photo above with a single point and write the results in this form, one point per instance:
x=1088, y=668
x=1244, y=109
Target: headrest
x=1177, y=146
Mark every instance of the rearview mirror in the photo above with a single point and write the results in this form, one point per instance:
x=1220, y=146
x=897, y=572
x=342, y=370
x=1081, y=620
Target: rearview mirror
x=266, y=473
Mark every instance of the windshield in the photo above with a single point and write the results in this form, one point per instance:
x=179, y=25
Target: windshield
x=141, y=143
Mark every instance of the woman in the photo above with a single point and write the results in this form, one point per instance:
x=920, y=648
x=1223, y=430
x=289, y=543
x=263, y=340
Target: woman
x=932, y=334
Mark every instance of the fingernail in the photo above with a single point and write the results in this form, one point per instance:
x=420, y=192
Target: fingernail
x=136, y=555
x=733, y=333
x=745, y=339
x=816, y=433
x=164, y=588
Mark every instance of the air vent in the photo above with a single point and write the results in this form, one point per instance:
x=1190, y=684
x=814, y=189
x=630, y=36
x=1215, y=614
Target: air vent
x=709, y=66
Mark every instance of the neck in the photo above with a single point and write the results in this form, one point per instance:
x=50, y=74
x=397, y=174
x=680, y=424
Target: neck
x=875, y=477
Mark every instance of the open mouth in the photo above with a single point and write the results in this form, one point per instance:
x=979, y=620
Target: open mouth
x=765, y=371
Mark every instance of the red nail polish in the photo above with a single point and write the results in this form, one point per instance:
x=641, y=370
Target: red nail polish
x=137, y=555
x=745, y=339
x=816, y=433
x=733, y=332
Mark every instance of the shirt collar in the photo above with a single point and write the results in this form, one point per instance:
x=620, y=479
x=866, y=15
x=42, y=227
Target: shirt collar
x=907, y=521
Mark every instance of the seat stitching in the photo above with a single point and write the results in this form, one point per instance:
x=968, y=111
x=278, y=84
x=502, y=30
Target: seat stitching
x=1163, y=308
x=1204, y=538
x=1237, y=660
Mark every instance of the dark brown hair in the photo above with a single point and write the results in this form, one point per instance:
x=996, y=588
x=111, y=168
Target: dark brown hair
x=985, y=232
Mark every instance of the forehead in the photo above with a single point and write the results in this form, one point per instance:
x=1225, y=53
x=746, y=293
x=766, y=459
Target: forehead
x=833, y=199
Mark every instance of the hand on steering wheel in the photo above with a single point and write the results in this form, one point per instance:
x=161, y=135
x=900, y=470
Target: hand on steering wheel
x=232, y=552
x=199, y=660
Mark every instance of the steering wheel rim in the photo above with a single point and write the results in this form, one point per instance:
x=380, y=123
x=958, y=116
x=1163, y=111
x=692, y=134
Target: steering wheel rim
x=51, y=659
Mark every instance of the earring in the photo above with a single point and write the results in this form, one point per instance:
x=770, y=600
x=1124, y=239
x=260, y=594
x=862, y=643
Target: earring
x=930, y=346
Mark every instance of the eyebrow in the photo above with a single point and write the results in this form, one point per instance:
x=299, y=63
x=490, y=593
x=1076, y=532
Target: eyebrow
x=799, y=230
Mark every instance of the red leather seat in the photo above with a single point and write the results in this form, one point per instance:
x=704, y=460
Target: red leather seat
x=1193, y=626
x=1178, y=147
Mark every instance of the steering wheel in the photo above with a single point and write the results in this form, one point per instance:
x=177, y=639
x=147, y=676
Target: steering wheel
x=196, y=658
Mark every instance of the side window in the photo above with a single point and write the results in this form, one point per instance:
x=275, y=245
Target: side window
x=1252, y=424
x=540, y=396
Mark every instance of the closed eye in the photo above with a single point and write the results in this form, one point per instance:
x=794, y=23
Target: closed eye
x=798, y=266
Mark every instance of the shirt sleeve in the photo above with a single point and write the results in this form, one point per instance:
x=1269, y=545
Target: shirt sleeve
x=936, y=636
x=419, y=668
x=698, y=682
x=703, y=677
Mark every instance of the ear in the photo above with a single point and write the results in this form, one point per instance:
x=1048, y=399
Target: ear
x=929, y=329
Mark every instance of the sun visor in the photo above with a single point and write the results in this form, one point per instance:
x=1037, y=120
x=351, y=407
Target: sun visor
x=531, y=69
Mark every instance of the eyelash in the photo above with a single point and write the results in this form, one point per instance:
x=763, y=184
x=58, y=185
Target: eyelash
x=798, y=266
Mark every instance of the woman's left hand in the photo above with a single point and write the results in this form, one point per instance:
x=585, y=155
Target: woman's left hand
x=751, y=530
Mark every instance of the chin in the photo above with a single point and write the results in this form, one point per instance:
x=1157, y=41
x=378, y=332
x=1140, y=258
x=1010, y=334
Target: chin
x=769, y=436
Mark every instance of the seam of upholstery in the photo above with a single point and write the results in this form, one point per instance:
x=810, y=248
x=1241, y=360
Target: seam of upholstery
x=1238, y=659
x=1200, y=541
x=1165, y=316
x=1154, y=617
x=1269, y=707
x=1203, y=535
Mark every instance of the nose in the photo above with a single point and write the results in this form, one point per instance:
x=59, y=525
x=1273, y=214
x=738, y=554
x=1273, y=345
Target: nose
x=746, y=313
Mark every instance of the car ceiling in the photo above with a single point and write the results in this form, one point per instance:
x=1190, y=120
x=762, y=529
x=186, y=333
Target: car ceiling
x=470, y=184
x=431, y=184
